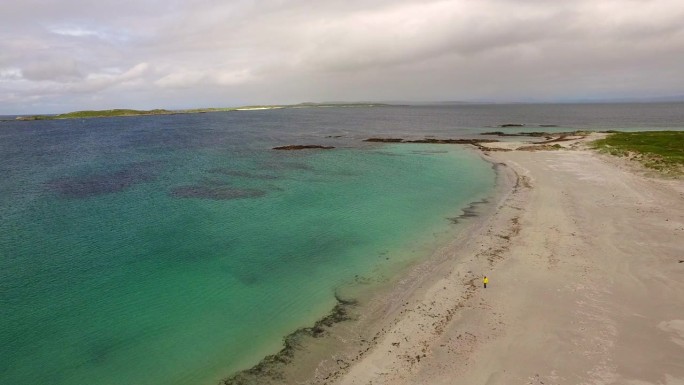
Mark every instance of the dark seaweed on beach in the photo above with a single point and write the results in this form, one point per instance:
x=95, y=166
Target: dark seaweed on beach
x=105, y=183
x=468, y=212
x=270, y=368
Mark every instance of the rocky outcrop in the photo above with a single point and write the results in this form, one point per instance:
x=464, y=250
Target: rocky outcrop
x=294, y=147
x=452, y=141
x=431, y=141
x=501, y=133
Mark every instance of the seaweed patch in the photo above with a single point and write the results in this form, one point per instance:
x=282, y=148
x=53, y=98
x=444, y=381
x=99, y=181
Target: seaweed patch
x=241, y=174
x=215, y=192
x=104, y=183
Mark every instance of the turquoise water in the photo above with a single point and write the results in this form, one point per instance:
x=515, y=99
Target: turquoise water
x=172, y=251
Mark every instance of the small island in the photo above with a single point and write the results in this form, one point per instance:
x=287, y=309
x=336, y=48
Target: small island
x=87, y=114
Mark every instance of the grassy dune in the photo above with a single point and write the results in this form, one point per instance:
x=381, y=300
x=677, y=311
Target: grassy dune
x=660, y=150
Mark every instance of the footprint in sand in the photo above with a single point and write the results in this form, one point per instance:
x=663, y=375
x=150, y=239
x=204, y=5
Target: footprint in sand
x=675, y=327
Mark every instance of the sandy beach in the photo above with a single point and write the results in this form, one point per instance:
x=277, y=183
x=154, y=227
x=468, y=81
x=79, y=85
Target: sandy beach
x=585, y=259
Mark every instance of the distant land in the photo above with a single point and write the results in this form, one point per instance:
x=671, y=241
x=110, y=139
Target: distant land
x=130, y=112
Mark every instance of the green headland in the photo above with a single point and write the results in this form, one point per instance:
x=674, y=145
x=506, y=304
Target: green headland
x=129, y=112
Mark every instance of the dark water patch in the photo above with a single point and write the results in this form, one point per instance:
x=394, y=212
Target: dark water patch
x=247, y=271
x=222, y=183
x=104, y=183
x=215, y=192
x=213, y=182
x=345, y=173
x=247, y=278
x=102, y=350
x=271, y=368
x=241, y=174
x=468, y=212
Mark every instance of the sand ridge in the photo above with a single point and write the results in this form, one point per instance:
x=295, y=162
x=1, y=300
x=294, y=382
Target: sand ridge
x=585, y=285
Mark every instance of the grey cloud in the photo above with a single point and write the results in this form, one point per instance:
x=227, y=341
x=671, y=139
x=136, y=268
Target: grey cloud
x=182, y=53
x=116, y=77
x=57, y=69
x=9, y=74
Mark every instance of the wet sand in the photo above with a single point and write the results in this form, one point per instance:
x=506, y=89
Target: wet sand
x=586, y=285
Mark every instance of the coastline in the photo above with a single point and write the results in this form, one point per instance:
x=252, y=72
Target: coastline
x=584, y=287
x=366, y=309
x=585, y=284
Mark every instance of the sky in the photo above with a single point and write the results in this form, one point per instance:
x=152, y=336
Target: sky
x=66, y=55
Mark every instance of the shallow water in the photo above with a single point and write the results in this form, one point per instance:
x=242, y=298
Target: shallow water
x=155, y=254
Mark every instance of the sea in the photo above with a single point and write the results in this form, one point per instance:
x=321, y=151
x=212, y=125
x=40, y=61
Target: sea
x=180, y=249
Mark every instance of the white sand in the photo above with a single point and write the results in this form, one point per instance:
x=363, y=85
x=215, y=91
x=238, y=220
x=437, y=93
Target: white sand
x=585, y=286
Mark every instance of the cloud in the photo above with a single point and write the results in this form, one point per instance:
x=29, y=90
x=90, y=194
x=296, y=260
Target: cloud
x=75, y=31
x=87, y=32
x=181, y=79
x=57, y=69
x=111, y=78
x=294, y=50
x=188, y=78
x=415, y=32
x=8, y=74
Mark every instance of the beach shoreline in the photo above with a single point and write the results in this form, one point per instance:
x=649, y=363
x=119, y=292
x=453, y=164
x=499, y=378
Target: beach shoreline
x=568, y=300
x=367, y=307
x=585, y=284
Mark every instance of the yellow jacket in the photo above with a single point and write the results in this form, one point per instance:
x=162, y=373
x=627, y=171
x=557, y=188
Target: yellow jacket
x=485, y=280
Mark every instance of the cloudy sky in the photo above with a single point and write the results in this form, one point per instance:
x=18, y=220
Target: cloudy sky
x=64, y=55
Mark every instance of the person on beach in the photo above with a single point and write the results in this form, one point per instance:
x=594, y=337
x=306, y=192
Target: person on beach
x=485, y=281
